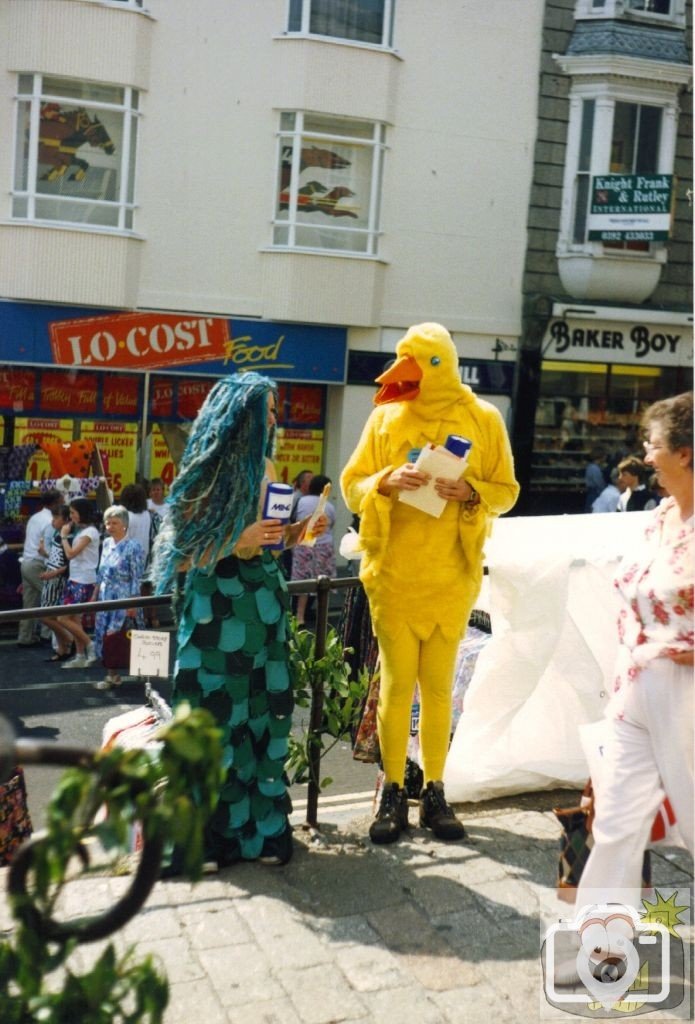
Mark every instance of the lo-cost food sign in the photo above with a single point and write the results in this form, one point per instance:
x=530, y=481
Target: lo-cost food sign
x=150, y=341
x=614, y=342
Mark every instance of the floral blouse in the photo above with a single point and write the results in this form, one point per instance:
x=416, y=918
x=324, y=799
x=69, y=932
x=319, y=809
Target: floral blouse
x=656, y=587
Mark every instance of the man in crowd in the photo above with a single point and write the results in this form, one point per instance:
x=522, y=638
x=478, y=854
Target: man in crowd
x=33, y=564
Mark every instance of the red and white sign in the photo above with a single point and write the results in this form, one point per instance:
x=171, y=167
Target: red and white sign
x=138, y=341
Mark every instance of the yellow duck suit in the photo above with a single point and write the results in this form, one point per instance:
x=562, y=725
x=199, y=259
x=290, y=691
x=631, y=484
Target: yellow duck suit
x=422, y=574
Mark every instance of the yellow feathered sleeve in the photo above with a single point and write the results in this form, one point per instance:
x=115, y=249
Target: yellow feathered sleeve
x=359, y=483
x=492, y=471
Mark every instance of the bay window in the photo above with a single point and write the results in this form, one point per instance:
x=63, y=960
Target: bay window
x=75, y=149
x=328, y=183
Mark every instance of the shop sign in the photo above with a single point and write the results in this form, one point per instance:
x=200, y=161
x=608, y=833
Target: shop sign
x=65, y=392
x=142, y=341
x=17, y=390
x=485, y=376
x=117, y=443
x=180, y=342
x=120, y=394
x=630, y=207
x=609, y=341
x=34, y=431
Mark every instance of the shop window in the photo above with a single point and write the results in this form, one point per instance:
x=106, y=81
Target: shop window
x=358, y=21
x=75, y=152
x=328, y=185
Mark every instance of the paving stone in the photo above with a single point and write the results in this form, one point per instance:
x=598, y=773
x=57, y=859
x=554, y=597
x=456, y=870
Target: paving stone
x=370, y=968
x=322, y=995
x=421, y=950
x=287, y=937
x=479, y=1005
x=176, y=955
x=411, y=1005
x=153, y=923
x=278, y=1011
x=194, y=1001
x=241, y=975
x=215, y=926
x=345, y=931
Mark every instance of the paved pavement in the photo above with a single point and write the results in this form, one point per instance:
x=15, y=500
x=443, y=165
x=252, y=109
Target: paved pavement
x=421, y=932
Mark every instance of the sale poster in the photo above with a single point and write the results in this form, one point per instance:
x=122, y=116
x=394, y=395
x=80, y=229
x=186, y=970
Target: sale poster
x=118, y=444
x=34, y=430
x=297, y=450
x=161, y=463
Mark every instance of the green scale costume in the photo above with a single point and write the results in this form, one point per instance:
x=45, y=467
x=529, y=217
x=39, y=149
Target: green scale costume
x=233, y=660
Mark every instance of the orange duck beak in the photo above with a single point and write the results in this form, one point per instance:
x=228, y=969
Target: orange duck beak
x=400, y=383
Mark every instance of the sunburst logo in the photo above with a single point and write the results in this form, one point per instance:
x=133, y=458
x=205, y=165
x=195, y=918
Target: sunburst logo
x=662, y=911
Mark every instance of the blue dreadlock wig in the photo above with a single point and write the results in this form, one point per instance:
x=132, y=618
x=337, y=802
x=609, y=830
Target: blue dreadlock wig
x=217, y=489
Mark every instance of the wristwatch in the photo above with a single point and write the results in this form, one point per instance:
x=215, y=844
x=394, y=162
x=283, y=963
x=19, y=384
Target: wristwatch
x=474, y=498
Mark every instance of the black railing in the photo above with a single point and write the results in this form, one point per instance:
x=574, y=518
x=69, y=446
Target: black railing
x=322, y=587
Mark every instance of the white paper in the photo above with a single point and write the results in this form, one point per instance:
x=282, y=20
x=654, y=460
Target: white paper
x=149, y=653
x=437, y=461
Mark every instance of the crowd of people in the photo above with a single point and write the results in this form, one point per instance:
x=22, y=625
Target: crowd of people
x=73, y=556
x=623, y=484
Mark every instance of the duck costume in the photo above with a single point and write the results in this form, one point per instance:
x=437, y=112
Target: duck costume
x=422, y=574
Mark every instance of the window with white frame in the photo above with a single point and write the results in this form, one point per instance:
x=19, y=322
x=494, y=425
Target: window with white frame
x=634, y=149
x=655, y=11
x=359, y=21
x=75, y=152
x=611, y=133
x=328, y=185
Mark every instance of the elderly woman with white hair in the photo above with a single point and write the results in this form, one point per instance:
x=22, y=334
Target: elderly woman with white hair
x=120, y=570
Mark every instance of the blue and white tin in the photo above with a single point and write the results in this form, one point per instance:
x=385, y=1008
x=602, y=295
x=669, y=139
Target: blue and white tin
x=278, y=505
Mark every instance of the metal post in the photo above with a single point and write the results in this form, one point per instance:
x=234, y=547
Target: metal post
x=323, y=589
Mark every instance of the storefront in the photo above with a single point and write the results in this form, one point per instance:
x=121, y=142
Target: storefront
x=600, y=367
x=130, y=382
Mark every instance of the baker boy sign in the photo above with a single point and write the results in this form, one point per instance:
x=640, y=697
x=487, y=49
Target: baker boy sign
x=608, y=341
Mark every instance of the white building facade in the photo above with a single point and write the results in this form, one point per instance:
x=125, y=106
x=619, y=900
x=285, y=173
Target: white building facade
x=282, y=185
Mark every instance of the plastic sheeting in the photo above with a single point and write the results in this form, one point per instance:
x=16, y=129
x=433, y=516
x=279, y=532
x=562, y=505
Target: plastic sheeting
x=548, y=667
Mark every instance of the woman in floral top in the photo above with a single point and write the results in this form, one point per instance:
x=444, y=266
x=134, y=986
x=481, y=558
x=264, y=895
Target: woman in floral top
x=650, y=753
x=120, y=569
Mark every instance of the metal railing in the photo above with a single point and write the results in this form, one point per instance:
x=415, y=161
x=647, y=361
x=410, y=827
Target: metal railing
x=322, y=587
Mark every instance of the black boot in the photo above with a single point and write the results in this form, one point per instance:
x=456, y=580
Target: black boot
x=278, y=849
x=392, y=816
x=435, y=813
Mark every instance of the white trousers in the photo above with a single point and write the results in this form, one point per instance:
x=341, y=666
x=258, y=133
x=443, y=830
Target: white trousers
x=649, y=755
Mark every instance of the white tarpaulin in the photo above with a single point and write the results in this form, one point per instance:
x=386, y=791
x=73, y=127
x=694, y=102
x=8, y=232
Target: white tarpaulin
x=549, y=666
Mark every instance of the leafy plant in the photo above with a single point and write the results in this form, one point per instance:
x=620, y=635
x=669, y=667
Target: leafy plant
x=172, y=794
x=342, y=699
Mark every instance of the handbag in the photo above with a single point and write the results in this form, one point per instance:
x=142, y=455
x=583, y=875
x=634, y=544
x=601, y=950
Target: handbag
x=366, y=745
x=576, y=843
x=15, y=821
x=115, y=651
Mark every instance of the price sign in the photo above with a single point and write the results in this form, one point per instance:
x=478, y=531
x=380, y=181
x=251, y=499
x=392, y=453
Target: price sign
x=149, y=653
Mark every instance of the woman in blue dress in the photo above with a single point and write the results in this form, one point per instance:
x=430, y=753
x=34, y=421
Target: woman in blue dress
x=120, y=569
x=215, y=553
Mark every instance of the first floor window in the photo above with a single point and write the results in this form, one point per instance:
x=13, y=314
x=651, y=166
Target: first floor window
x=635, y=143
x=328, y=185
x=75, y=152
x=361, y=21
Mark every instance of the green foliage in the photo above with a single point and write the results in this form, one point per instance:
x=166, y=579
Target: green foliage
x=342, y=700
x=172, y=793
